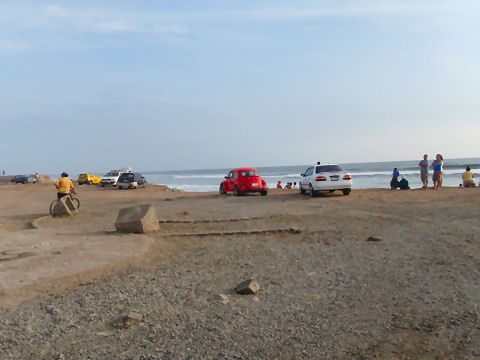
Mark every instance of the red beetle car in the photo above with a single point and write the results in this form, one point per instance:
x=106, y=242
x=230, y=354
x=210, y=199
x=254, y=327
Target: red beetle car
x=243, y=180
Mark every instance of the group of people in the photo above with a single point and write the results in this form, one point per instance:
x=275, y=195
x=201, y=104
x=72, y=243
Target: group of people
x=437, y=177
x=288, y=186
x=437, y=166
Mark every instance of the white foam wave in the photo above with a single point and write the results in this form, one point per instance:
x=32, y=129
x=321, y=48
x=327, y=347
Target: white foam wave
x=200, y=176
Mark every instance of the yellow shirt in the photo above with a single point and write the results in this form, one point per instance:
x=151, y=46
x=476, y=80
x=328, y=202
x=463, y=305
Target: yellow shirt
x=64, y=185
x=467, y=176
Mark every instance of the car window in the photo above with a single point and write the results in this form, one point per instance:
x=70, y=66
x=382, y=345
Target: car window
x=125, y=176
x=235, y=174
x=309, y=171
x=328, y=168
x=250, y=173
x=229, y=175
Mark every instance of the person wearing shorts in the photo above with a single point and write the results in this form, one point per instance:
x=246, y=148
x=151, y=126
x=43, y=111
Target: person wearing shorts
x=424, y=171
x=64, y=186
x=437, y=172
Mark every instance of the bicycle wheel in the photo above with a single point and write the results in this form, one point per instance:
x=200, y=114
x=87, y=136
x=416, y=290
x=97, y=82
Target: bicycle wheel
x=52, y=206
x=76, y=202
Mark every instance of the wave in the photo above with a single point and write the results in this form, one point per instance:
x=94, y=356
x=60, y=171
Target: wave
x=200, y=176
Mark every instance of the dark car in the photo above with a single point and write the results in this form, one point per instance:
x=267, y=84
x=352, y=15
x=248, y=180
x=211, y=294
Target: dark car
x=131, y=180
x=24, y=179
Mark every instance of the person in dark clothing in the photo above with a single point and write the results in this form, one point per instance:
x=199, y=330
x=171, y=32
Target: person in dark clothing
x=394, y=183
x=403, y=184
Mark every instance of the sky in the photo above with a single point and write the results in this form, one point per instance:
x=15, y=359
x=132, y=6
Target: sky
x=166, y=85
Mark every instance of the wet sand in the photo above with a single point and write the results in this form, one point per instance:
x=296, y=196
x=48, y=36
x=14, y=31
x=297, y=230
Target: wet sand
x=326, y=292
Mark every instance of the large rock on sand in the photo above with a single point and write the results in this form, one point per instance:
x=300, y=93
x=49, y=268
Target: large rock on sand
x=137, y=219
x=64, y=207
x=44, y=179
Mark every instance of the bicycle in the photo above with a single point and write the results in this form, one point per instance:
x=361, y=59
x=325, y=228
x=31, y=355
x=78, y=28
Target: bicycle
x=74, y=200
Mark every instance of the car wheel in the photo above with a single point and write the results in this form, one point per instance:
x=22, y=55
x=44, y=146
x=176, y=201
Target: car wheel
x=263, y=193
x=236, y=191
x=24, y=182
x=301, y=189
x=221, y=190
x=346, y=191
x=102, y=185
x=331, y=191
x=312, y=192
x=120, y=187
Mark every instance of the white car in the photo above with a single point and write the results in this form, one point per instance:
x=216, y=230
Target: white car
x=112, y=176
x=328, y=177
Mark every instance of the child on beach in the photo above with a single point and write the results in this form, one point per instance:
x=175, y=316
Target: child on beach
x=279, y=184
x=394, y=182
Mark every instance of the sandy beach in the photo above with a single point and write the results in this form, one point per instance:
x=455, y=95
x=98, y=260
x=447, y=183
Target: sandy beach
x=326, y=292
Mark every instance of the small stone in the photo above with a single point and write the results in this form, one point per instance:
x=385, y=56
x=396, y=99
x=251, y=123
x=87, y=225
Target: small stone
x=187, y=213
x=104, y=333
x=375, y=238
x=247, y=287
x=222, y=298
x=135, y=316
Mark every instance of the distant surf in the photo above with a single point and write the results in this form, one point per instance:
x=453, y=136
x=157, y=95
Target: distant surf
x=364, y=175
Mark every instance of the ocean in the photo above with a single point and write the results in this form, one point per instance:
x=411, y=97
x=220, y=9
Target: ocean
x=364, y=175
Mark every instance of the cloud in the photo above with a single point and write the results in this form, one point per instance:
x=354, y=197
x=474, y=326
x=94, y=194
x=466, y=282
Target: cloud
x=11, y=47
x=56, y=11
x=113, y=26
x=171, y=29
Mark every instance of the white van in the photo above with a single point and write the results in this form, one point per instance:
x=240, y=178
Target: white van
x=112, y=176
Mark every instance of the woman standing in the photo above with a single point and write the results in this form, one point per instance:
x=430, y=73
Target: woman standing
x=437, y=171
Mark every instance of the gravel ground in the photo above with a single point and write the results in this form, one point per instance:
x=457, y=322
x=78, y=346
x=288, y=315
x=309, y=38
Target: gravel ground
x=325, y=293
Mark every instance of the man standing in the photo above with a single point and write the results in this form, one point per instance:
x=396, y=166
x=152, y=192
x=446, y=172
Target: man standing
x=64, y=185
x=424, y=171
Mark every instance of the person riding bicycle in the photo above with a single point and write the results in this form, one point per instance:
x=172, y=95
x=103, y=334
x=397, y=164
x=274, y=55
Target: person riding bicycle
x=64, y=186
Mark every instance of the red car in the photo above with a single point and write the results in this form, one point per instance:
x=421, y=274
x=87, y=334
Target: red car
x=243, y=180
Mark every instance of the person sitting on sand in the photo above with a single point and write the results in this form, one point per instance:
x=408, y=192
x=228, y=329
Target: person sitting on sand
x=279, y=184
x=64, y=186
x=437, y=171
x=394, y=182
x=468, y=177
x=403, y=184
x=288, y=186
x=295, y=186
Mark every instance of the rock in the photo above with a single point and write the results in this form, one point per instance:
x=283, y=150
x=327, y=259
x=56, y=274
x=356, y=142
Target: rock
x=44, y=179
x=135, y=316
x=104, y=333
x=187, y=213
x=247, y=287
x=221, y=299
x=64, y=207
x=137, y=219
x=375, y=238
